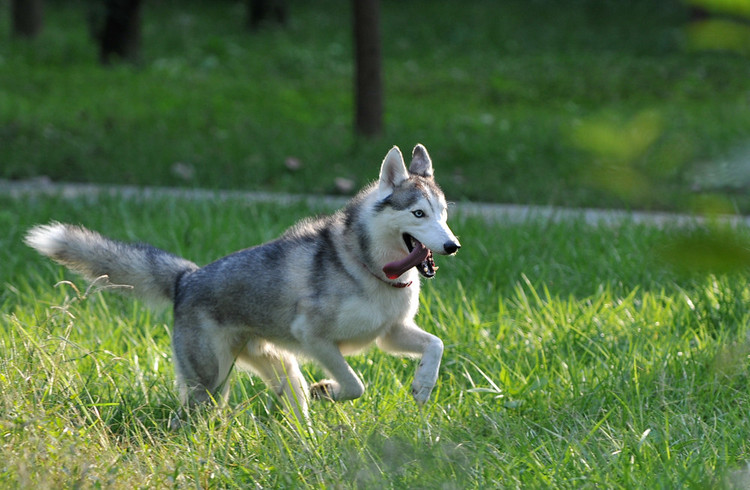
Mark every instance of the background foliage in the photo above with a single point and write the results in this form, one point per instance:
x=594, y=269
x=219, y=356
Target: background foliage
x=575, y=102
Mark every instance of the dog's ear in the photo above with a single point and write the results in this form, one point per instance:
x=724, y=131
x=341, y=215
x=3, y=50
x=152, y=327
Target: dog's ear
x=392, y=172
x=420, y=162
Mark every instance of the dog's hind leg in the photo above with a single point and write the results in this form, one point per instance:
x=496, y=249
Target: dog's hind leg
x=281, y=373
x=203, y=355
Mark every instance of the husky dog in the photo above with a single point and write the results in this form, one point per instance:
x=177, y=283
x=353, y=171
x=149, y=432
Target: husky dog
x=329, y=286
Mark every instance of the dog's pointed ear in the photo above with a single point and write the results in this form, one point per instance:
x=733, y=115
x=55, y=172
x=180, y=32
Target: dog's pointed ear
x=392, y=172
x=420, y=162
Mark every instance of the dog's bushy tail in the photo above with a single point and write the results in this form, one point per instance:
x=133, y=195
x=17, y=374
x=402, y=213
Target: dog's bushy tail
x=153, y=273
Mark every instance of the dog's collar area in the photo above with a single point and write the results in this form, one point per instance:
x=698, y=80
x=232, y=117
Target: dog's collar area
x=398, y=285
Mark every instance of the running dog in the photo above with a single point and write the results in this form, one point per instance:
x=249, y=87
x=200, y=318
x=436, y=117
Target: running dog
x=328, y=287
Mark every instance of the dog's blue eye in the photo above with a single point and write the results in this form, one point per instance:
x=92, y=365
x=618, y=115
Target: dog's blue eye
x=418, y=213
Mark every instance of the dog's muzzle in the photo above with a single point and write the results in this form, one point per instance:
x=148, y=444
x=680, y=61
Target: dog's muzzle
x=419, y=257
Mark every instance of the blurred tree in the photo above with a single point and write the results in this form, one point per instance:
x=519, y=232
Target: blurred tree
x=260, y=11
x=121, y=35
x=27, y=17
x=368, y=91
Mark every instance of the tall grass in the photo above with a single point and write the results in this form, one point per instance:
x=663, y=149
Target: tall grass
x=573, y=359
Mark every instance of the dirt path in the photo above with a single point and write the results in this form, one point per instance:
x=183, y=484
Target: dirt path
x=510, y=213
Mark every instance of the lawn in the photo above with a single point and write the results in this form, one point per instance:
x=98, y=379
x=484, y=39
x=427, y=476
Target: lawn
x=575, y=102
x=574, y=359
x=577, y=356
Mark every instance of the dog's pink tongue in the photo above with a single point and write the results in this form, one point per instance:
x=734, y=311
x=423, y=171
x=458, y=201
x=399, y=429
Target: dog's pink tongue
x=417, y=256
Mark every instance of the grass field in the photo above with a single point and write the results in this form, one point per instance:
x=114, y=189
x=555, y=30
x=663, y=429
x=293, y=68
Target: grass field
x=577, y=356
x=575, y=102
x=574, y=359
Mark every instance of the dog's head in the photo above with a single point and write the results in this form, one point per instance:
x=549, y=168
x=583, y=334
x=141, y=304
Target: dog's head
x=417, y=212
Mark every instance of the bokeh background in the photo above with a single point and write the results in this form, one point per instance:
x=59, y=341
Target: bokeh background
x=585, y=103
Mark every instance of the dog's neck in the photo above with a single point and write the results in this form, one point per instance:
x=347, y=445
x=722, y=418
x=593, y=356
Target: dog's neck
x=397, y=284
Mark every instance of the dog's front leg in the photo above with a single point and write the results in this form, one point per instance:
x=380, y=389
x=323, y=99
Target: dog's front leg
x=345, y=384
x=312, y=336
x=410, y=339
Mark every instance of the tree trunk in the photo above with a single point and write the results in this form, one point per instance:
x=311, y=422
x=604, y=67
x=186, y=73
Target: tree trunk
x=27, y=17
x=121, y=36
x=260, y=11
x=368, y=85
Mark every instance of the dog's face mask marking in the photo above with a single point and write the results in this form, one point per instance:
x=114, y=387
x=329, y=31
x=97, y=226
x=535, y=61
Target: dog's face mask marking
x=419, y=211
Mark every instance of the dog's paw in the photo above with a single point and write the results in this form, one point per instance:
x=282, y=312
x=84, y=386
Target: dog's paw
x=324, y=390
x=176, y=423
x=421, y=393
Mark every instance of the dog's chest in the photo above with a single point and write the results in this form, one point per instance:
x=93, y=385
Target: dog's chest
x=361, y=319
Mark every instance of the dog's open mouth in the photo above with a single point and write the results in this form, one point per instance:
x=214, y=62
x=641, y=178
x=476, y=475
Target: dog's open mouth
x=419, y=257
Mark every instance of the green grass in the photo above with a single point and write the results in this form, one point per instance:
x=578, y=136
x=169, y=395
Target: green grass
x=574, y=359
x=506, y=96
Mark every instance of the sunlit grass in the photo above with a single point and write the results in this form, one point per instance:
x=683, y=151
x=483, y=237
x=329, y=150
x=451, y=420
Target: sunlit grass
x=573, y=359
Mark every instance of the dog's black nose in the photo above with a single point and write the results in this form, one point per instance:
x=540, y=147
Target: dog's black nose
x=451, y=247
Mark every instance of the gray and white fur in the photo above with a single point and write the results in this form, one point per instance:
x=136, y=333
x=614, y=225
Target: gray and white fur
x=328, y=287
